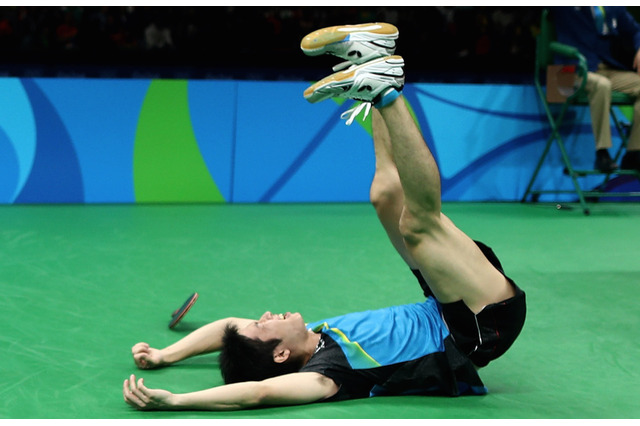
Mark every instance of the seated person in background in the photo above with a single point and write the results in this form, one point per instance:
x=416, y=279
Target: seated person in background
x=602, y=34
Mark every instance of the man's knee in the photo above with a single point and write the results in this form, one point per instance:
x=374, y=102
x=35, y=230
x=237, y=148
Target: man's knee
x=599, y=86
x=385, y=191
x=635, y=92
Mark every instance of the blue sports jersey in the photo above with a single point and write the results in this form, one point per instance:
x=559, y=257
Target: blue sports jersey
x=387, y=336
x=403, y=349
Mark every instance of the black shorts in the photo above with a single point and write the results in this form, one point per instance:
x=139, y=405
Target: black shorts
x=487, y=335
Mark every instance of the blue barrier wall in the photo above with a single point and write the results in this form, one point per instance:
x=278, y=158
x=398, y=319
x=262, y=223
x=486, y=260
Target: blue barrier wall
x=140, y=141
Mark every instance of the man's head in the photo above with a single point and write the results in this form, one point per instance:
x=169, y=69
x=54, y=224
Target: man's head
x=272, y=346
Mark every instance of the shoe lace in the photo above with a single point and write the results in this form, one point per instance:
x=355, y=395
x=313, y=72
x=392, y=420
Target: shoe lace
x=342, y=65
x=352, y=113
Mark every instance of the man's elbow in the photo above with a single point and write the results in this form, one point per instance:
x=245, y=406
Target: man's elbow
x=264, y=395
x=252, y=394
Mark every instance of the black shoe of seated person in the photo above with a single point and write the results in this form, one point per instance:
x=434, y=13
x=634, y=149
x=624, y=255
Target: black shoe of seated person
x=631, y=161
x=604, y=162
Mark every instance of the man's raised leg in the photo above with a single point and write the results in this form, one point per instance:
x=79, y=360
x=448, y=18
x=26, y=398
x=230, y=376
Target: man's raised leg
x=451, y=262
x=386, y=193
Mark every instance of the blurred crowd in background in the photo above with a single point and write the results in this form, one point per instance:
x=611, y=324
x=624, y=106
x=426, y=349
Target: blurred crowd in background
x=441, y=44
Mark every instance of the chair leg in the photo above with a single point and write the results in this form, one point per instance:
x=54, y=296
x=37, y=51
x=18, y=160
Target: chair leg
x=538, y=167
x=623, y=132
x=555, y=136
x=622, y=129
x=572, y=174
x=554, y=133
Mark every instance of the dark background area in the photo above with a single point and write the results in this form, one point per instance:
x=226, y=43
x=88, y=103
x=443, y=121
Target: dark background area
x=470, y=44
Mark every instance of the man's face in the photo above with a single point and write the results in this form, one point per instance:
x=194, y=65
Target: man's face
x=286, y=327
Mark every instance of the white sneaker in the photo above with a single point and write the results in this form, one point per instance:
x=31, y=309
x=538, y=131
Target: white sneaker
x=368, y=82
x=355, y=43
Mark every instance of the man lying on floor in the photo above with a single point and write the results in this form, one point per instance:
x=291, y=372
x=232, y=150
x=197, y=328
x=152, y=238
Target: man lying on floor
x=472, y=313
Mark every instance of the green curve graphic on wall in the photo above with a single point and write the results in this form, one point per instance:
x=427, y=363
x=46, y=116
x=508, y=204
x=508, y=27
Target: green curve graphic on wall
x=167, y=164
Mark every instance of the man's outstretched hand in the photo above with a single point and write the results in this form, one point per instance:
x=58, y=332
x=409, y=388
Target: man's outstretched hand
x=137, y=395
x=147, y=357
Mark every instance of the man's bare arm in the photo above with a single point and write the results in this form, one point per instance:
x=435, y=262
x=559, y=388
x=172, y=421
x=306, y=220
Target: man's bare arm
x=204, y=340
x=290, y=389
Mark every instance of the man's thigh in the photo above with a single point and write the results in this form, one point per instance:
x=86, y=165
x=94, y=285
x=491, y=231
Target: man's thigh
x=456, y=269
x=623, y=81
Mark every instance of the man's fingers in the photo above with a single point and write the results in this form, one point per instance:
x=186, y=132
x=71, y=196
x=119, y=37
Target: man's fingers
x=140, y=357
x=140, y=391
x=141, y=385
x=138, y=347
x=130, y=397
x=125, y=389
x=142, y=360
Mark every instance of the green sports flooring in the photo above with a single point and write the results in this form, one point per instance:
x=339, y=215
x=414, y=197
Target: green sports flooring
x=81, y=284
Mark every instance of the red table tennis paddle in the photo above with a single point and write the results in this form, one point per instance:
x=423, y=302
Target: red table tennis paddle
x=181, y=312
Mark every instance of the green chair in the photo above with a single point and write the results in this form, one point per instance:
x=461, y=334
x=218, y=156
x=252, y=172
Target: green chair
x=546, y=48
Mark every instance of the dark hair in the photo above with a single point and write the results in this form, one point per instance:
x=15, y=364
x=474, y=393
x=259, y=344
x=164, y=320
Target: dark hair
x=243, y=359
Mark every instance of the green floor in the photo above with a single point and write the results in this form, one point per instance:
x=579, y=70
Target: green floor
x=81, y=284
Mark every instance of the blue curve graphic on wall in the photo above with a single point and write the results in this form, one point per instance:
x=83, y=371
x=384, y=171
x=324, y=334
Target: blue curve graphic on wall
x=8, y=168
x=55, y=175
x=454, y=186
x=302, y=157
x=423, y=123
x=531, y=117
x=18, y=125
x=485, y=161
